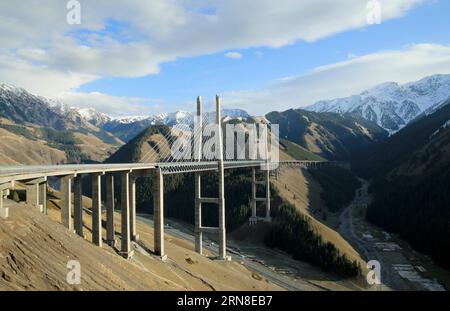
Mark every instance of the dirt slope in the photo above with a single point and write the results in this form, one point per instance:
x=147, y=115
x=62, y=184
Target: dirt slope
x=300, y=189
x=35, y=249
x=16, y=149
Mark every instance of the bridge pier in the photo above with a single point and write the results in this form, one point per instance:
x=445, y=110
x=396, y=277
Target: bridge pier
x=43, y=197
x=254, y=218
x=4, y=211
x=198, y=215
x=78, y=206
x=97, y=209
x=134, y=236
x=198, y=181
x=66, y=197
x=268, y=218
x=36, y=193
x=32, y=194
x=110, y=201
x=221, y=199
x=126, y=250
x=158, y=213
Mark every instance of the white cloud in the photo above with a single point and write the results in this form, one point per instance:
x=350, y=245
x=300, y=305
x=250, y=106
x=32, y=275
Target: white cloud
x=41, y=52
x=345, y=78
x=233, y=55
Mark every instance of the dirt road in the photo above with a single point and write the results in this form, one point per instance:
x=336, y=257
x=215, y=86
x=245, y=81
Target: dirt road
x=397, y=272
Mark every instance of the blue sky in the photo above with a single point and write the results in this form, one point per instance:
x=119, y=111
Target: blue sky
x=182, y=80
x=148, y=59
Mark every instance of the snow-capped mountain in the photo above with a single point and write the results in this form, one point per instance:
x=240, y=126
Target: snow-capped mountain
x=174, y=118
x=126, y=128
x=94, y=117
x=20, y=106
x=391, y=105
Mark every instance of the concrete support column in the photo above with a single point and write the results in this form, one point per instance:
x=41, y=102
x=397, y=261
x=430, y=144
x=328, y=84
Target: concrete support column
x=158, y=212
x=78, y=206
x=66, y=207
x=268, y=218
x=125, y=250
x=4, y=211
x=110, y=200
x=198, y=215
x=134, y=236
x=32, y=194
x=253, y=219
x=254, y=192
x=221, y=198
x=97, y=209
x=43, y=197
x=198, y=180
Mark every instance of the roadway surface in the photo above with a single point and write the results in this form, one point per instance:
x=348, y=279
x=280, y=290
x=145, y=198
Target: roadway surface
x=18, y=173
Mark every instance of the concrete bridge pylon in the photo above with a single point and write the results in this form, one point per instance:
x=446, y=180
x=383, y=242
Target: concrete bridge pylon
x=220, y=200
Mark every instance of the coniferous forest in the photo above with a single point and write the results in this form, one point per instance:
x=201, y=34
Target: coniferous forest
x=292, y=233
x=410, y=174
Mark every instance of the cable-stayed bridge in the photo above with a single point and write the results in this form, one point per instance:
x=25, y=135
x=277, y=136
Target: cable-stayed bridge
x=184, y=149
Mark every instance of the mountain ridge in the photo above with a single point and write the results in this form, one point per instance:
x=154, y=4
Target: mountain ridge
x=410, y=174
x=328, y=135
x=392, y=105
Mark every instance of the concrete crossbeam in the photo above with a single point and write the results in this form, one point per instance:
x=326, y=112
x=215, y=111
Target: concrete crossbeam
x=212, y=230
x=260, y=199
x=207, y=200
x=6, y=186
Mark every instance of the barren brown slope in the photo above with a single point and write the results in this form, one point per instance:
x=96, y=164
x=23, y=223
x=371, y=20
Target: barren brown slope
x=16, y=149
x=300, y=189
x=34, y=251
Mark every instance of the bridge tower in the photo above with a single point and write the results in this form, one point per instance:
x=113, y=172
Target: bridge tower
x=198, y=180
x=266, y=182
x=220, y=200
